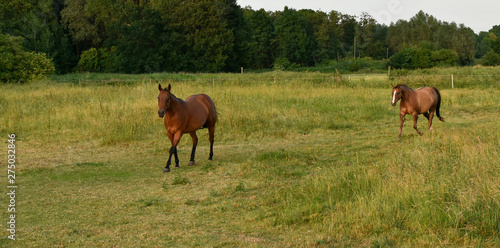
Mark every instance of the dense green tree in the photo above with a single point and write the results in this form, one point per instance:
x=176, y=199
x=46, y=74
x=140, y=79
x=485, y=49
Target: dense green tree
x=37, y=22
x=370, y=38
x=143, y=44
x=262, y=41
x=89, y=21
x=423, y=27
x=137, y=36
x=348, y=26
x=464, y=43
x=295, y=37
x=397, y=36
x=13, y=15
x=331, y=36
x=81, y=24
x=494, y=42
x=205, y=40
x=239, y=54
x=483, y=44
x=495, y=30
x=326, y=34
x=444, y=35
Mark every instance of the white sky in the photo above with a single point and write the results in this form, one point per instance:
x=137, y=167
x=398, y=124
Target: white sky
x=480, y=15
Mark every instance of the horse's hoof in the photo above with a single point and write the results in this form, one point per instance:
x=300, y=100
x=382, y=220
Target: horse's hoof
x=191, y=163
x=166, y=170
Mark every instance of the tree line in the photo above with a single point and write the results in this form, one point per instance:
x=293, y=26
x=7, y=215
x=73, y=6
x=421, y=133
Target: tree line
x=141, y=36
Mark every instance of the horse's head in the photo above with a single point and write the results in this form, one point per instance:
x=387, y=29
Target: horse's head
x=163, y=100
x=396, y=94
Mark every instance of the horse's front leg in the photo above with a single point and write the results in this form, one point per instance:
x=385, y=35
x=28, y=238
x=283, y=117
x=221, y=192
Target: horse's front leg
x=402, y=117
x=170, y=153
x=195, y=143
x=167, y=167
x=174, y=138
x=415, y=119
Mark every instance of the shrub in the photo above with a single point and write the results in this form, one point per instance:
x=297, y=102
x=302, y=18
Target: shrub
x=282, y=63
x=402, y=60
x=491, y=58
x=352, y=65
x=98, y=60
x=445, y=57
x=17, y=65
x=413, y=58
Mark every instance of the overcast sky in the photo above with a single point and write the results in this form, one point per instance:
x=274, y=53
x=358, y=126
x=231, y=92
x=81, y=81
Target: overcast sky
x=480, y=15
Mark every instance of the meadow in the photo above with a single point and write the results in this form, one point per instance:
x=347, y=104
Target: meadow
x=303, y=159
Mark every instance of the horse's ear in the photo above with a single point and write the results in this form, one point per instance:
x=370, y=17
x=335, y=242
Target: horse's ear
x=392, y=86
x=168, y=88
x=159, y=87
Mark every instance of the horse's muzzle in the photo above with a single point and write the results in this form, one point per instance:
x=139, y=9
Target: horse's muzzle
x=393, y=103
x=161, y=113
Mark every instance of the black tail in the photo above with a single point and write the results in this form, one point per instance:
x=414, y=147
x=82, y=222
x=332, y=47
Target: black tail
x=438, y=105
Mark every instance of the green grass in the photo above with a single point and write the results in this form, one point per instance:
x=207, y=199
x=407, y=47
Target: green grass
x=299, y=161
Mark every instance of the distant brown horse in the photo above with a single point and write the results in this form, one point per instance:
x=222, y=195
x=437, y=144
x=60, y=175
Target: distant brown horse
x=424, y=101
x=198, y=111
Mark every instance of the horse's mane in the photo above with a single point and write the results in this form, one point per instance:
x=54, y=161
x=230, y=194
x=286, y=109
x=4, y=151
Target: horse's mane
x=172, y=94
x=404, y=86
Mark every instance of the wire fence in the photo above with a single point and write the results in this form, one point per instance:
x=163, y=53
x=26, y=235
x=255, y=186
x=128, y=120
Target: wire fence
x=444, y=80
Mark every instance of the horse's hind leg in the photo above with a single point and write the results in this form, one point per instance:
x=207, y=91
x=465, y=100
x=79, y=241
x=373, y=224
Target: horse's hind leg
x=211, y=130
x=195, y=143
x=415, y=119
x=426, y=115
x=431, y=115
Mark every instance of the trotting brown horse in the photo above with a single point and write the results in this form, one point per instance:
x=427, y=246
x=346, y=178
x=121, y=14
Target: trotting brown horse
x=424, y=101
x=198, y=111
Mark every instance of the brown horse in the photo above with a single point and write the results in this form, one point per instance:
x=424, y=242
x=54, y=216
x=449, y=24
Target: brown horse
x=424, y=101
x=198, y=111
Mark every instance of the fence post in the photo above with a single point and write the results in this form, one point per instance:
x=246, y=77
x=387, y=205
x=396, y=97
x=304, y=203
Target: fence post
x=452, y=81
x=242, y=70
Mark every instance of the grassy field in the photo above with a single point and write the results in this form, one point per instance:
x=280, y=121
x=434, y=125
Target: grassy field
x=301, y=160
